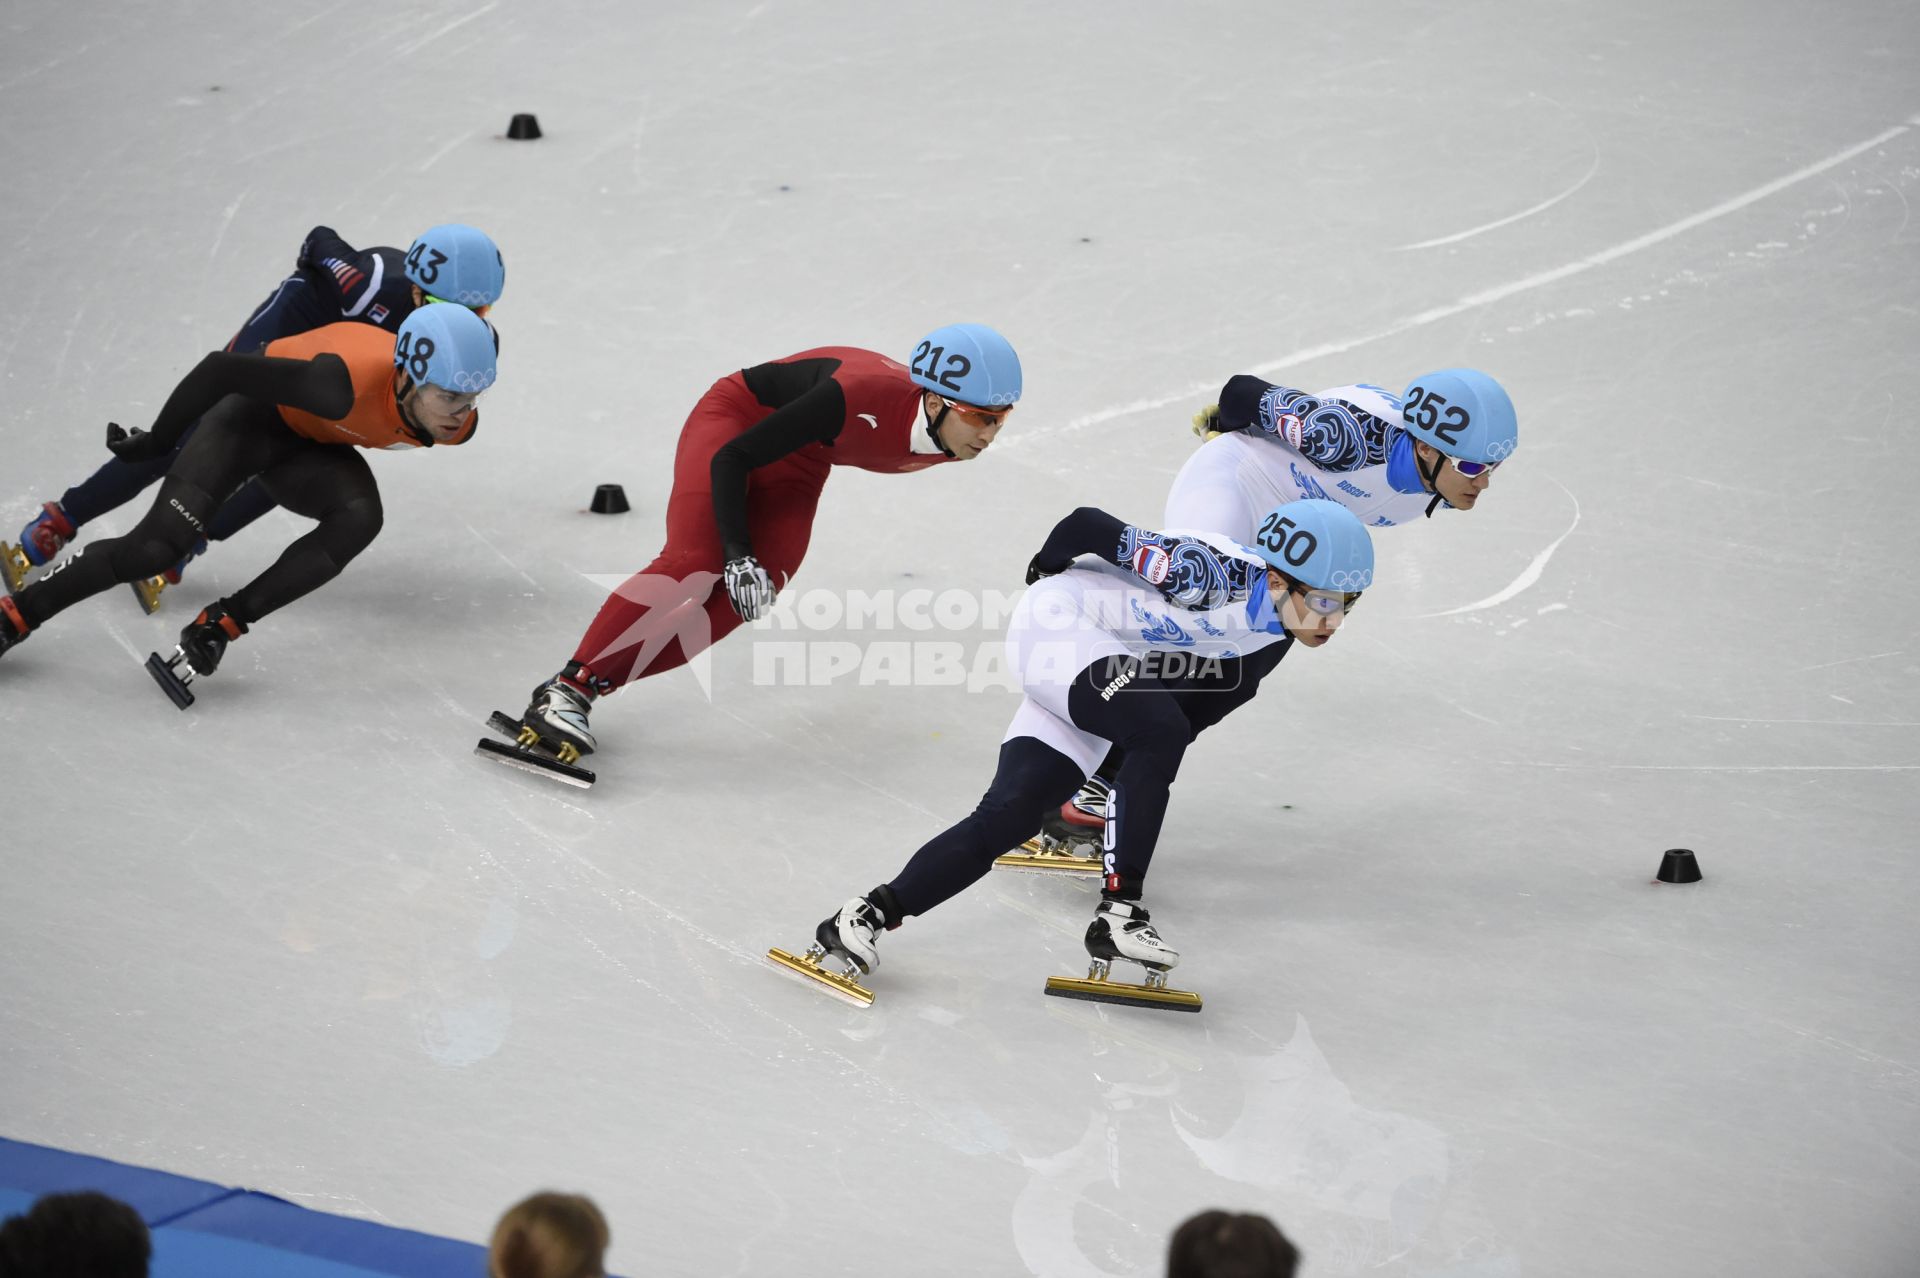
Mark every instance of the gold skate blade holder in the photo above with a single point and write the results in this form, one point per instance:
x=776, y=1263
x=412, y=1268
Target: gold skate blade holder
x=808, y=966
x=1097, y=988
x=15, y=565
x=566, y=752
x=147, y=591
x=1047, y=856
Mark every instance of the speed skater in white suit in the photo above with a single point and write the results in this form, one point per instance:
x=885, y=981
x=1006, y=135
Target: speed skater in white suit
x=1390, y=459
x=1097, y=644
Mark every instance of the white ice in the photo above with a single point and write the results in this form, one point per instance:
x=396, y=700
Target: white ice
x=300, y=938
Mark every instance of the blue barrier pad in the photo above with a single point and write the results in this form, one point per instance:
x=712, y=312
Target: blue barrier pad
x=182, y=1253
x=203, y=1230
x=380, y=1249
x=35, y=1170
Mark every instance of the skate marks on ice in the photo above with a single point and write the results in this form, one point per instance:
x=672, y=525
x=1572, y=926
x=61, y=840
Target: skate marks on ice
x=1528, y=576
x=1361, y=1190
x=1484, y=297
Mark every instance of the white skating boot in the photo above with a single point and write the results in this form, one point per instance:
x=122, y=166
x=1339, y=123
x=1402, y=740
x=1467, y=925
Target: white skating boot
x=1123, y=930
x=558, y=712
x=854, y=933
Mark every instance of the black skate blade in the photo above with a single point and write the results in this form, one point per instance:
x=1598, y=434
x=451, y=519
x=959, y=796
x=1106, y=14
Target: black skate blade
x=517, y=756
x=170, y=683
x=147, y=591
x=841, y=987
x=1094, y=990
x=1036, y=856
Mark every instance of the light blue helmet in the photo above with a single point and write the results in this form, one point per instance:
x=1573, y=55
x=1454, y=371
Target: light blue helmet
x=969, y=362
x=1320, y=544
x=448, y=346
x=457, y=263
x=1463, y=413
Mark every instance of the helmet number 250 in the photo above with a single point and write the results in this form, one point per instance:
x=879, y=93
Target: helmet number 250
x=1424, y=407
x=926, y=363
x=1287, y=539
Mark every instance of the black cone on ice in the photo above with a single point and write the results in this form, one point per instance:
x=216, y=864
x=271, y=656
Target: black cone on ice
x=611, y=499
x=524, y=128
x=1678, y=866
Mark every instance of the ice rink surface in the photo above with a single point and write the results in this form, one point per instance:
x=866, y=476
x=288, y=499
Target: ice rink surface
x=301, y=938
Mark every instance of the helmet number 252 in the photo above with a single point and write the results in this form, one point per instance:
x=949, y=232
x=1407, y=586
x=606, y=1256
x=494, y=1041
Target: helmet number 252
x=1287, y=539
x=927, y=360
x=1425, y=407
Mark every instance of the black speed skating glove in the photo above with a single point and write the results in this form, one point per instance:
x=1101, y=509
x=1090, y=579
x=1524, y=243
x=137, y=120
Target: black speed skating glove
x=1042, y=566
x=133, y=445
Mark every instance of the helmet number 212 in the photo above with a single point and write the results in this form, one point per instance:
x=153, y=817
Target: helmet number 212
x=926, y=363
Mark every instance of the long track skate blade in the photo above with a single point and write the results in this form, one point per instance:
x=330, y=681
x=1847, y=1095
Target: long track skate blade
x=147, y=591
x=1096, y=991
x=14, y=566
x=834, y=983
x=170, y=683
x=520, y=757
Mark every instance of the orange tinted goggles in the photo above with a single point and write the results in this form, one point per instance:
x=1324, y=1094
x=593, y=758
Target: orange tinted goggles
x=979, y=417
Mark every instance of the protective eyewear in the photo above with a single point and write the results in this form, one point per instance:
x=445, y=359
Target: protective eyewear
x=978, y=417
x=1326, y=603
x=481, y=311
x=453, y=401
x=1473, y=470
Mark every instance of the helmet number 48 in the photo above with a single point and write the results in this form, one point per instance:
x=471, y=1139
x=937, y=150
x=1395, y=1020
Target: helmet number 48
x=1425, y=407
x=926, y=363
x=1287, y=539
x=417, y=360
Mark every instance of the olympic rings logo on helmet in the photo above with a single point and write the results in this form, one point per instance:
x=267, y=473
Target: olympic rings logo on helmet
x=1351, y=579
x=1501, y=449
x=465, y=380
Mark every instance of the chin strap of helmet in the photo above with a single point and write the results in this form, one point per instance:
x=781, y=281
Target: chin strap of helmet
x=933, y=429
x=406, y=390
x=1431, y=478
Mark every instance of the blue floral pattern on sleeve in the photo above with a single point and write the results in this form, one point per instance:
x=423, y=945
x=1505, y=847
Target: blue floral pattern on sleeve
x=1332, y=434
x=1189, y=573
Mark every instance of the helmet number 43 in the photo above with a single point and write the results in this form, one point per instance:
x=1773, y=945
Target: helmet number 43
x=1287, y=539
x=426, y=262
x=926, y=363
x=1425, y=407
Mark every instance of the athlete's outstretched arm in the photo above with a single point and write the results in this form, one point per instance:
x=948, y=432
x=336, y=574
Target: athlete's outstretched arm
x=1333, y=434
x=813, y=418
x=1190, y=573
x=320, y=386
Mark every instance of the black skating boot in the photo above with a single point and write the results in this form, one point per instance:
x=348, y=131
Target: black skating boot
x=204, y=640
x=13, y=626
